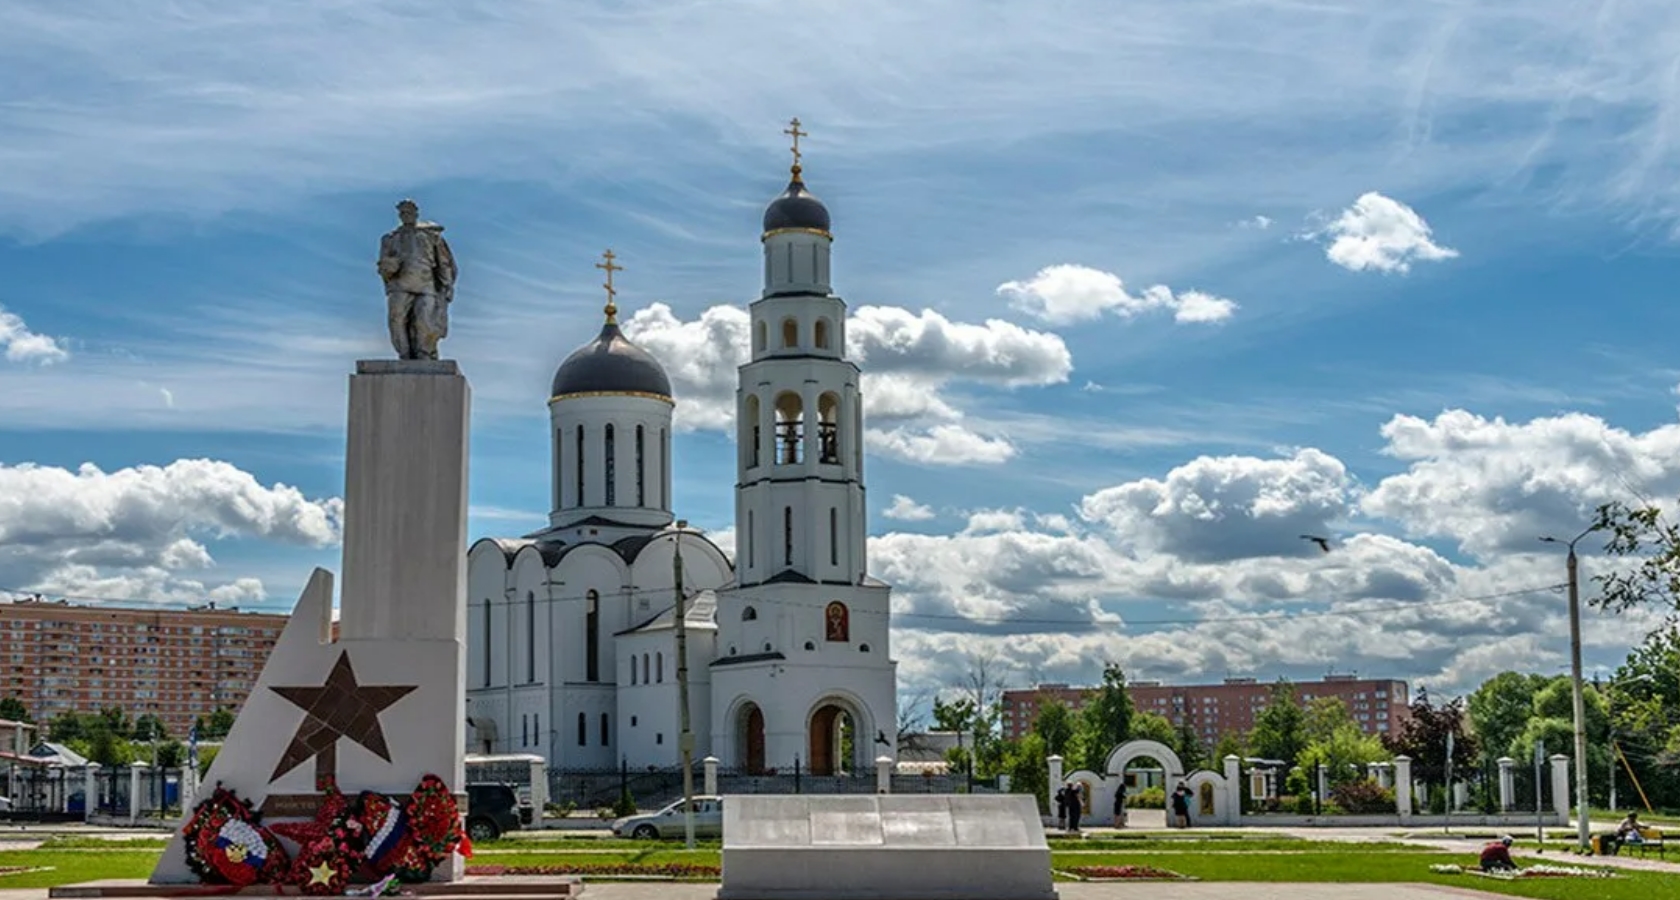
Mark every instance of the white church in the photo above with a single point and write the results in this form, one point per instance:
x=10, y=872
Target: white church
x=572, y=651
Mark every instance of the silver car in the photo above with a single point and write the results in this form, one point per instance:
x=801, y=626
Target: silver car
x=668, y=822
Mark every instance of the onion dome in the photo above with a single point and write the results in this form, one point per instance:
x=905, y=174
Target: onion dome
x=610, y=364
x=796, y=208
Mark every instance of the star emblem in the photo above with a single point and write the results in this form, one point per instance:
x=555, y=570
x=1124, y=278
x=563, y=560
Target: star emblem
x=321, y=873
x=340, y=708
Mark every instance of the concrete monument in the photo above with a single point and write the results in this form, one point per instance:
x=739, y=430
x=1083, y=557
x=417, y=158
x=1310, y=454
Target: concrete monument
x=419, y=273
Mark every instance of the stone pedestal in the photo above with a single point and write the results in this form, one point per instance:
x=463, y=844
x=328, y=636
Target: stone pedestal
x=1055, y=762
x=883, y=774
x=90, y=792
x=1233, y=787
x=1403, y=787
x=136, y=771
x=1507, y=783
x=1560, y=786
x=708, y=774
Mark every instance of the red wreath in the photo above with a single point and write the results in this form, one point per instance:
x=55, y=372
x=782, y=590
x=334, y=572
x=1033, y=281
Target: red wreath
x=324, y=866
x=226, y=844
x=434, y=831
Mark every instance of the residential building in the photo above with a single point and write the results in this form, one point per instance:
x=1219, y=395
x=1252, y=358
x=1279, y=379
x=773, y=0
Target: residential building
x=176, y=664
x=1378, y=706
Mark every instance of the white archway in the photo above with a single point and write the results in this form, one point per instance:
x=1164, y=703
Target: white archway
x=1120, y=756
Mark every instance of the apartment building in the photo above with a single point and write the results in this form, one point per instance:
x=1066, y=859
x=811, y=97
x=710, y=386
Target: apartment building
x=176, y=664
x=1214, y=710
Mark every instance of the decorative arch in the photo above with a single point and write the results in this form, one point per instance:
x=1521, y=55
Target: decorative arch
x=746, y=731
x=831, y=719
x=749, y=614
x=1121, y=756
x=751, y=425
x=790, y=333
x=837, y=622
x=828, y=428
x=821, y=335
x=790, y=428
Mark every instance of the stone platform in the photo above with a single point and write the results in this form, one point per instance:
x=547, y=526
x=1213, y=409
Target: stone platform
x=508, y=887
x=886, y=847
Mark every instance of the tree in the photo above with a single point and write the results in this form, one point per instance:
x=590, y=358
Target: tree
x=114, y=720
x=1054, y=724
x=1424, y=739
x=1649, y=547
x=1336, y=741
x=217, y=726
x=1499, y=711
x=12, y=709
x=1106, y=720
x=66, y=726
x=1028, y=774
x=1278, y=729
x=1230, y=744
x=171, y=754
x=983, y=687
x=1190, y=750
x=1152, y=726
x=151, y=728
x=912, y=715
x=1323, y=718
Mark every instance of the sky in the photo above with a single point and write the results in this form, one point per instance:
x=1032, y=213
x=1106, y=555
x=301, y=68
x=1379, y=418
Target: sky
x=1142, y=293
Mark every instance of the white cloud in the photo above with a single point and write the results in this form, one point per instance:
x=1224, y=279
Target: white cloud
x=905, y=509
x=135, y=532
x=909, y=358
x=1065, y=294
x=1381, y=233
x=23, y=345
x=1260, y=223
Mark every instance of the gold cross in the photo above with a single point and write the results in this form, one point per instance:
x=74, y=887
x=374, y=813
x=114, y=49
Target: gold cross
x=793, y=130
x=612, y=294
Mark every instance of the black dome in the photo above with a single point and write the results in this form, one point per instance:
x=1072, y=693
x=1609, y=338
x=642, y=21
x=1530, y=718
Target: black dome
x=611, y=364
x=796, y=208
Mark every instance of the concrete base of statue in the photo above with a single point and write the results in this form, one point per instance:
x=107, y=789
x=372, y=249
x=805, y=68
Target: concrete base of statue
x=897, y=846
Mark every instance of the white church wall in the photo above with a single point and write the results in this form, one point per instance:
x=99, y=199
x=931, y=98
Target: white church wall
x=639, y=494
x=648, y=711
x=530, y=609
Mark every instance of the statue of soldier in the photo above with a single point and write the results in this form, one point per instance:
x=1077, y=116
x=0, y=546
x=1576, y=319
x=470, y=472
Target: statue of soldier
x=419, y=273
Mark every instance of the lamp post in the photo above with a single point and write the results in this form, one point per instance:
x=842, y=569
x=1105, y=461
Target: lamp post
x=1583, y=827
x=685, y=739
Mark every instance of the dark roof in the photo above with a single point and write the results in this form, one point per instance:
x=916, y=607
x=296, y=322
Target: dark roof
x=789, y=576
x=796, y=208
x=610, y=363
x=749, y=658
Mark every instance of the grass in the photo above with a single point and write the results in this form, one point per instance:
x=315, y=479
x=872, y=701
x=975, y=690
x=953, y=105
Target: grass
x=1248, y=859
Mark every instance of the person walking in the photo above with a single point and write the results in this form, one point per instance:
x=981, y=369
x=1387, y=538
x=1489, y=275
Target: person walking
x=1076, y=806
x=1120, y=805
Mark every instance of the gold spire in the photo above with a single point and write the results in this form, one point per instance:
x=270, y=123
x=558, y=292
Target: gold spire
x=793, y=131
x=612, y=295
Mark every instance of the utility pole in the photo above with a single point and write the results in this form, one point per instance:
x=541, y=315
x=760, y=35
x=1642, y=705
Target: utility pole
x=1583, y=825
x=685, y=740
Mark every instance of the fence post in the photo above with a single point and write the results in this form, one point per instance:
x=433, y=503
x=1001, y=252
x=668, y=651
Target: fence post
x=1403, y=788
x=539, y=791
x=796, y=775
x=136, y=773
x=709, y=766
x=883, y=774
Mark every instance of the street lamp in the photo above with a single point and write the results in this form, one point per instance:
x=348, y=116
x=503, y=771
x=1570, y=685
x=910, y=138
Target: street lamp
x=1583, y=827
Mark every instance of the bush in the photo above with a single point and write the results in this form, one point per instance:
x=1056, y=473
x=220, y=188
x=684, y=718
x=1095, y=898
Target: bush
x=1304, y=805
x=626, y=805
x=559, y=810
x=1363, y=796
x=1148, y=798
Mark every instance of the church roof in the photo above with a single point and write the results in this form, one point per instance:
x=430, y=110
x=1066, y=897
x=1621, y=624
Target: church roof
x=796, y=207
x=748, y=658
x=701, y=611
x=610, y=364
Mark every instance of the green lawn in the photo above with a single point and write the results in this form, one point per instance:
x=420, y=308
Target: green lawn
x=1265, y=859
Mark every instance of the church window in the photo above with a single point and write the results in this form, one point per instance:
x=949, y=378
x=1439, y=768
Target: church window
x=583, y=730
x=592, y=636
x=810, y=645
x=487, y=641
x=833, y=536
x=641, y=470
x=632, y=721
x=790, y=333
x=749, y=614
x=787, y=535
x=524, y=730
x=761, y=339
x=838, y=622
x=536, y=728
x=530, y=637
x=633, y=679
x=821, y=332
x=750, y=431
x=559, y=469
x=828, y=429
x=659, y=667
x=659, y=738
x=645, y=678
x=857, y=435
x=768, y=647
x=611, y=470
x=863, y=648
x=750, y=540
x=790, y=428
x=577, y=467
x=606, y=730
x=665, y=466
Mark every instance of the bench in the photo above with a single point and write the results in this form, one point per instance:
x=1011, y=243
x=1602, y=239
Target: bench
x=1649, y=839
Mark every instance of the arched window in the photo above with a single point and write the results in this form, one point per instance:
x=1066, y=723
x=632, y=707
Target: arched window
x=611, y=469
x=488, y=625
x=828, y=429
x=645, y=670
x=633, y=679
x=751, y=427
x=750, y=541
x=606, y=730
x=665, y=466
x=592, y=636
x=790, y=428
x=659, y=667
x=790, y=333
x=530, y=637
x=821, y=333
x=750, y=614
x=583, y=730
x=761, y=339
x=641, y=473
x=833, y=536
x=837, y=622
x=787, y=535
x=559, y=468
x=524, y=730
x=578, y=467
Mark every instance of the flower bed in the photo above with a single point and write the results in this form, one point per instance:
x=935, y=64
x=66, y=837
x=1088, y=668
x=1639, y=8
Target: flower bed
x=674, y=871
x=1124, y=873
x=1536, y=871
x=22, y=870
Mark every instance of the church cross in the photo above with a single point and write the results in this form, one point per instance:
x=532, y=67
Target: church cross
x=612, y=294
x=793, y=130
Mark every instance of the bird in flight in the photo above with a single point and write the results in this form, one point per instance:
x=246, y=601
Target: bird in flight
x=1323, y=543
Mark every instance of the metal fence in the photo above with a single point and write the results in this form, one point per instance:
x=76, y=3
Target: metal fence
x=651, y=788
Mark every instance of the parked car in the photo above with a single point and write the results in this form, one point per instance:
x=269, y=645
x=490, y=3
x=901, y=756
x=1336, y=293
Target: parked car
x=668, y=822
x=492, y=810
x=5, y=804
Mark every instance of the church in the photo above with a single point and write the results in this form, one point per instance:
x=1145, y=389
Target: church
x=572, y=638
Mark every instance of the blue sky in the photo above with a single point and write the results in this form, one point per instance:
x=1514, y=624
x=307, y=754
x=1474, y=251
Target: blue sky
x=1143, y=293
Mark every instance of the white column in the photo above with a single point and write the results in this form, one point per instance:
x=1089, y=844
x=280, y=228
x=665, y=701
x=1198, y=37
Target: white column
x=1403, y=787
x=1233, y=789
x=90, y=791
x=709, y=767
x=189, y=788
x=1460, y=794
x=1323, y=785
x=883, y=774
x=1055, y=762
x=135, y=772
x=539, y=792
x=1507, y=783
x=1560, y=786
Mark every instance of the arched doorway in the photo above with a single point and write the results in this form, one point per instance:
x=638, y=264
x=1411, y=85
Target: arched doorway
x=833, y=739
x=749, y=738
x=1169, y=774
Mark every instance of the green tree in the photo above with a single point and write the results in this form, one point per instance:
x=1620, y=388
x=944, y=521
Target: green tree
x=1279, y=729
x=1647, y=547
x=217, y=726
x=1323, y=718
x=67, y=726
x=171, y=754
x=114, y=720
x=151, y=728
x=1336, y=741
x=1643, y=697
x=1055, y=725
x=1499, y=711
x=1106, y=720
x=1190, y=750
x=956, y=715
x=1424, y=739
x=12, y=709
x=1152, y=726
x=1024, y=763
x=1230, y=744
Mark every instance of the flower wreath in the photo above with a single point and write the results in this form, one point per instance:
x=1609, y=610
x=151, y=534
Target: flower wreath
x=330, y=846
x=226, y=844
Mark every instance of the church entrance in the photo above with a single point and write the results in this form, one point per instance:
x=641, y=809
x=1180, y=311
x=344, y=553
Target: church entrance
x=832, y=743
x=750, y=739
